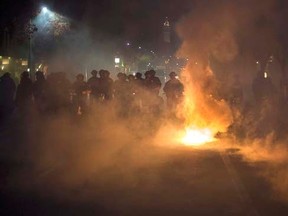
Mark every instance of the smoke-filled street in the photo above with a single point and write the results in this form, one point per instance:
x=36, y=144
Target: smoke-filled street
x=79, y=170
x=137, y=107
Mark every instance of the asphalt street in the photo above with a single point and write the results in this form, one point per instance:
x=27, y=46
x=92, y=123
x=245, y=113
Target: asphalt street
x=185, y=181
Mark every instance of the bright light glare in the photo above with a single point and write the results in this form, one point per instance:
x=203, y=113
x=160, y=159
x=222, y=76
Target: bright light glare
x=45, y=9
x=117, y=60
x=197, y=137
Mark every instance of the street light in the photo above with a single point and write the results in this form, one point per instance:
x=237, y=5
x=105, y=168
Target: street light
x=44, y=10
x=51, y=23
x=31, y=28
x=47, y=23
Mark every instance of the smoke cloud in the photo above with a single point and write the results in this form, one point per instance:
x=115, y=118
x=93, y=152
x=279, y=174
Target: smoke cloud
x=97, y=155
x=103, y=153
x=222, y=40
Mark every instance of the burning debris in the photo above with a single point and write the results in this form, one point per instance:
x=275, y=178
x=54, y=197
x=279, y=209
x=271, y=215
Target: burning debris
x=197, y=137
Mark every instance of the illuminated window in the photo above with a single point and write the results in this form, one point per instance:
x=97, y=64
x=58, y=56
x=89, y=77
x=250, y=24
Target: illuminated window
x=5, y=61
x=24, y=63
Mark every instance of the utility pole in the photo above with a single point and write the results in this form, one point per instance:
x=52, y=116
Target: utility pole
x=30, y=30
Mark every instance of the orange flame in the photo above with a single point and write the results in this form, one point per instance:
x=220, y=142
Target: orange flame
x=204, y=114
x=197, y=137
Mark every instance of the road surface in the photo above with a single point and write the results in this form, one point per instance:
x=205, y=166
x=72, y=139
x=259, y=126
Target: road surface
x=184, y=181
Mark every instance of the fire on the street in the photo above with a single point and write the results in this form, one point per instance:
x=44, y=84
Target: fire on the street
x=203, y=112
x=197, y=137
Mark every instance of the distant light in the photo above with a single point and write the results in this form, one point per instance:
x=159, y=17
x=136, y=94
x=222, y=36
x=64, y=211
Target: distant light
x=28, y=69
x=117, y=60
x=257, y=62
x=139, y=47
x=2, y=67
x=166, y=23
x=265, y=75
x=128, y=44
x=44, y=9
x=271, y=59
x=24, y=63
x=5, y=61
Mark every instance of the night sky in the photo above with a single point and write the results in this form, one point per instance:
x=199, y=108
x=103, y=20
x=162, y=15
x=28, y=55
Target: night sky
x=133, y=20
x=140, y=21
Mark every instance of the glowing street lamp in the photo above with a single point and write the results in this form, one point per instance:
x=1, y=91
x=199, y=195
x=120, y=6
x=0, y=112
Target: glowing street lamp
x=51, y=23
x=31, y=28
x=47, y=24
x=44, y=10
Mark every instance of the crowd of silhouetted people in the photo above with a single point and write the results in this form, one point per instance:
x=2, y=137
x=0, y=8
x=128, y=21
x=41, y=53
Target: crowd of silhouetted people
x=55, y=93
x=133, y=95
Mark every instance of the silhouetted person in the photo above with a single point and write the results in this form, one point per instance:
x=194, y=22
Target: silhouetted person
x=131, y=85
x=174, y=91
x=105, y=85
x=93, y=84
x=40, y=91
x=121, y=87
x=138, y=76
x=151, y=82
x=138, y=88
x=139, y=80
x=80, y=88
x=24, y=93
x=121, y=94
x=7, y=92
x=151, y=98
x=58, y=92
x=134, y=94
x=131, y=78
